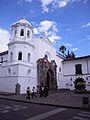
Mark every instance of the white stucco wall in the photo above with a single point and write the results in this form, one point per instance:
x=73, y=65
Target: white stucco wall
x=60, y=81
x=26, y=79
x=42, y=46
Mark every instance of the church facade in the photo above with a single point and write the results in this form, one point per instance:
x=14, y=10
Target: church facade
x=32, y=61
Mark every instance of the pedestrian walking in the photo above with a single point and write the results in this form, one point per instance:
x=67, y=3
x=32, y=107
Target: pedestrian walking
x=28, y=93
x=41, y=92
x=45, y=91
x=33, y=92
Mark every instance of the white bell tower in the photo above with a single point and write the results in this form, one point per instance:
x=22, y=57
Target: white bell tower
x=20, y=44
x=20, y=56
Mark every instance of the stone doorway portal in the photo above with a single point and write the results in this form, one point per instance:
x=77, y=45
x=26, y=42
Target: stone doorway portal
x=46, y=73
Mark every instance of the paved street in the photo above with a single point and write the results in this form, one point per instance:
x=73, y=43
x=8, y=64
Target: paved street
x=13, y=110
x=60, y=98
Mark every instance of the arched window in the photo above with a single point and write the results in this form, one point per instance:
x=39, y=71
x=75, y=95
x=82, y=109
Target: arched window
x=28, y=33
x=20, y=56
x=9, y=71
x=22, y=32
x=11, y=56
x=28, y=57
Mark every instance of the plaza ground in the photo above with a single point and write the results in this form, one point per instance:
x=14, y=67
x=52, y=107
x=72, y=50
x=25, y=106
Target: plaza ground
x=58, y=98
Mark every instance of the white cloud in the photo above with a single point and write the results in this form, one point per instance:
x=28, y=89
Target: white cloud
x=20, y=2
x=68, y=29
x=32, y=11
x=80, y=41
x=45, y=3
x=46, y=25
x=57, y=4
x=4, y=39
x=36, y=31
x=45, y=9
x=86, y=39
x=29, y=1
x=48, y=29
x=54, y=37
x=85, y=1
x=75, y=49
x=86, y=25
x=63, y=3
x=67, y=44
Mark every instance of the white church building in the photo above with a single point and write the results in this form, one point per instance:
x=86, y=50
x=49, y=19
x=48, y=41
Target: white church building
x=32, y=61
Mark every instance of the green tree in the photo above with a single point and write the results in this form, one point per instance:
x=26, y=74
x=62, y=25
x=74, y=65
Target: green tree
x=72, y=55
x=79, y=84
x=68, y=55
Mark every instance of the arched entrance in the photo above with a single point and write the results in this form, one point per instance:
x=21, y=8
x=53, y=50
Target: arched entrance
x=50, y=79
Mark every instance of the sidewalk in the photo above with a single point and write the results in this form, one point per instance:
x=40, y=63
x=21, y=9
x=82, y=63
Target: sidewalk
x=61, y=99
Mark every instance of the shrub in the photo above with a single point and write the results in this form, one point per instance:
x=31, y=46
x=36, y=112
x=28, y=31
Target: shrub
x=79, y=84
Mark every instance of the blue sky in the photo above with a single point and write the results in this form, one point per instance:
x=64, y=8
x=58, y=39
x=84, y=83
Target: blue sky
x=64, y=22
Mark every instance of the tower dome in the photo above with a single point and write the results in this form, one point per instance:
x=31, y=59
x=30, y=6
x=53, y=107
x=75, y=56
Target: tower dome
x=22, y=30
x=23, y=22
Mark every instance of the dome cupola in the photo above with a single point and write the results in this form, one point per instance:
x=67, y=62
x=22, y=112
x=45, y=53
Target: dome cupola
x=21, y=30
x=22, y=22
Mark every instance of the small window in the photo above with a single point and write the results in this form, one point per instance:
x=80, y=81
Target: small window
x=1, y=59
x=8, y=71
x=59, y=69
x=78, y=69
x=11, y=56
x=28, y=57
x=20, y=56
x=22, y=32
x=29, y=71
x=46, y=56
x=28, y=33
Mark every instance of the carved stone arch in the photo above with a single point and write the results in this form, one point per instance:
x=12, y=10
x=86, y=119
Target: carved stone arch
x=46, y=73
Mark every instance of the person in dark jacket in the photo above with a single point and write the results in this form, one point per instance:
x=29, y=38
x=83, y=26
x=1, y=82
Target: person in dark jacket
x=45, y=91
x=28, y=93
x=41, y=91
